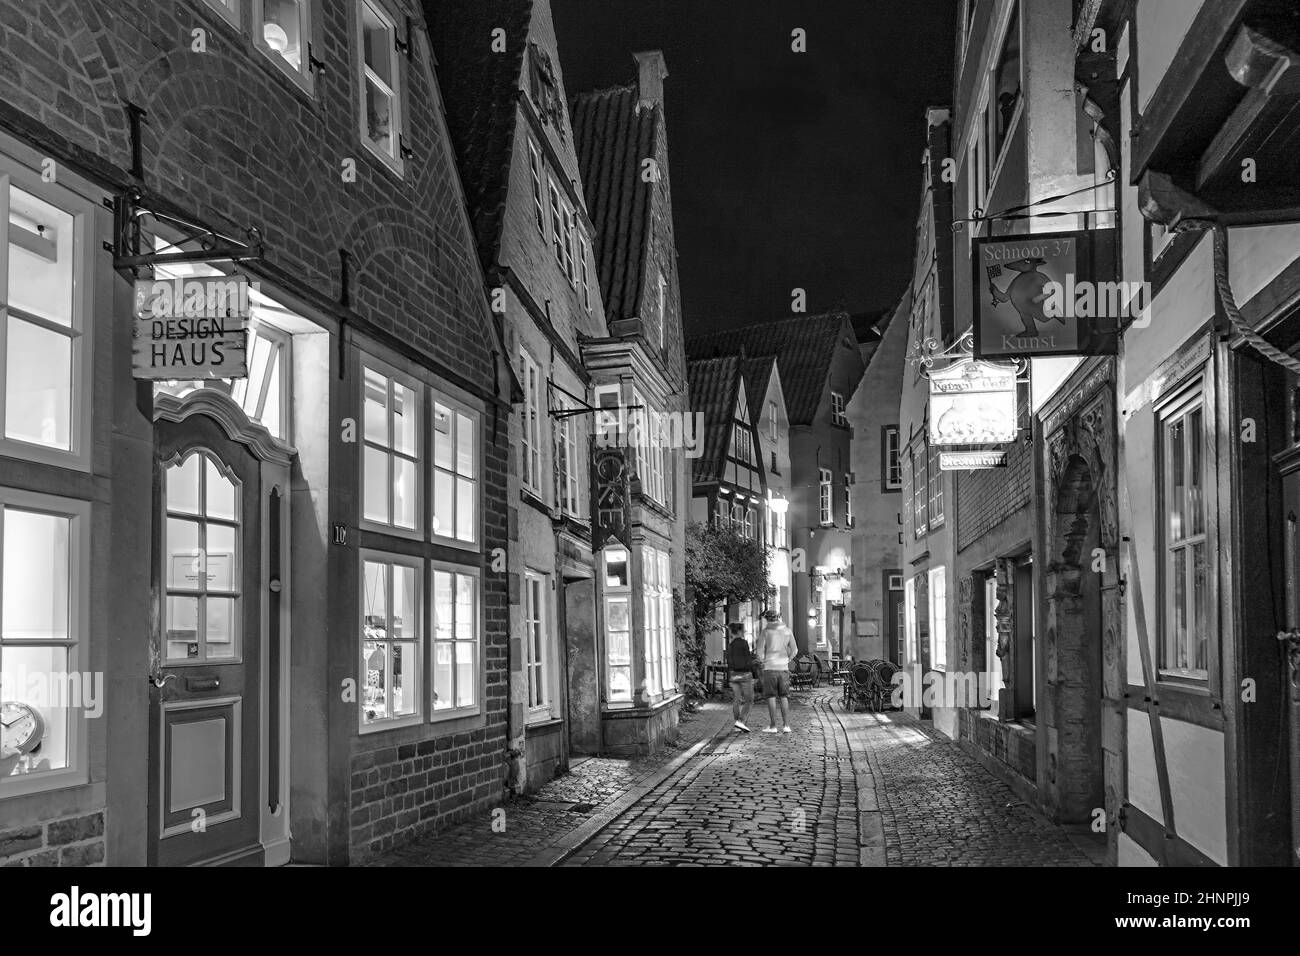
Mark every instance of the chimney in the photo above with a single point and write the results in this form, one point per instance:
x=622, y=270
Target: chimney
x=651, y=72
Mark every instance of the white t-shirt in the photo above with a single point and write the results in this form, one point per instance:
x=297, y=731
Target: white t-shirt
x=776, y=646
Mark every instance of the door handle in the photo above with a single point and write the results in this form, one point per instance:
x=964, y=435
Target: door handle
x=160, y=682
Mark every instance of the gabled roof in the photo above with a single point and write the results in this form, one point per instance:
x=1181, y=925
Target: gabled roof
x=757, y=372
x=613, y=133
x=478, y=87
x=804, y=347
x=715, y=389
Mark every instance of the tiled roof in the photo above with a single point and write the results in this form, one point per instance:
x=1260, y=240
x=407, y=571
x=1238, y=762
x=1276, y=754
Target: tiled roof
x=757, y=372
x=478, y=87
x=715, y=385
x=803, y=346
x=613, y=133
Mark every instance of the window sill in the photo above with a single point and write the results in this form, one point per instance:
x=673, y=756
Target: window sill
x=395, y=724
x=533, y=499
x=48, y=782
x=408, y=534
x=394, y=165
x=445, y=716
x=542, y=723
x=303, y=83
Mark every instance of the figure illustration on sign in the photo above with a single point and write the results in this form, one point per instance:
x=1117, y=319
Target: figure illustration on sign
x=1026, y=292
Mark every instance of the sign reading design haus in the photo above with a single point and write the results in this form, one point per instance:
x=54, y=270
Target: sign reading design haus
x=191, y=328
x=611, y=492
x=1039, y=295
x=973, y=403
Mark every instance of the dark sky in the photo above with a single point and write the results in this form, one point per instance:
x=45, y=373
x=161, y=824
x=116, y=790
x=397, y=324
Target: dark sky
x=788, y=169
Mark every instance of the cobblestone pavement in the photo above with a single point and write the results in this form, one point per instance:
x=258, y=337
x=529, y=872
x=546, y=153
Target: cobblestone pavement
x=538, y=821
x=842, y=789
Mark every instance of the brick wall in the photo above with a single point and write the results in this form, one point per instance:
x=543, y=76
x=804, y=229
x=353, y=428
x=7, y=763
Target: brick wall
x=986, y=498
x=72, y=841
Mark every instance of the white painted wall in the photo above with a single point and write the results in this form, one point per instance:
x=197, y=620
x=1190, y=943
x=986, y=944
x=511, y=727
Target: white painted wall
x=1197, y=785
x=1257, y=255
x=1162, y=24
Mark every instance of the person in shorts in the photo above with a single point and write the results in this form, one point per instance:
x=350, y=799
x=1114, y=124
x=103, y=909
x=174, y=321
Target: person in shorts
x=777, y=648
x=740, y=662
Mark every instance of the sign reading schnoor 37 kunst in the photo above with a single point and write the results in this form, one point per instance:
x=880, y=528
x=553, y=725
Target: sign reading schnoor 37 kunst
x=191, y=328
x=1039, y=294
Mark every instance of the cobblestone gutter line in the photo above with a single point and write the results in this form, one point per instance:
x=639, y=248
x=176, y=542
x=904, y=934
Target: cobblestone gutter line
x=868, y=782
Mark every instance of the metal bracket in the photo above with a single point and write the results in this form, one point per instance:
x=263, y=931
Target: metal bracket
x=129, y=215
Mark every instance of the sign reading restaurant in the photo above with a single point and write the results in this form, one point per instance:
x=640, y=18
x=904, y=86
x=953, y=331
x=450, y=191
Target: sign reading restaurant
x=1038, y=295
x=191, y=328
x=968, y=460
x=973, y=403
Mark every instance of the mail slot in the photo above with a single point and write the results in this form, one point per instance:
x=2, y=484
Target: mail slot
x=202, y=683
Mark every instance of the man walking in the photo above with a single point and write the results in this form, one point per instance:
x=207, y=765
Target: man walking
x=776, y=647
x=740, y=661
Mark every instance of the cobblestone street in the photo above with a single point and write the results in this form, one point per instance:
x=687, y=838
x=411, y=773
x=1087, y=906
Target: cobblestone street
x=842, y=789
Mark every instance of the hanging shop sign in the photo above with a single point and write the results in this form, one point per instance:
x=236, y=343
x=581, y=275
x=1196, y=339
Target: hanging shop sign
x=970, y=460
x=191, y=328
x=1040, y=295
x=973, y=403
x=611, y=491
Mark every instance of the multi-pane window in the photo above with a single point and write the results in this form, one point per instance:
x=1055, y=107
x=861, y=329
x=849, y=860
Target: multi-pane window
x=455, y=639
x=568, y=466
x=283, y=31
x=750, y=524
x=390, y=638
x=663, y=310
x=535, y=172
x=391, y=466
x=537, y=642
x=618, y=625
x=584, y=270
x=934, y=479
x=916, y=466
x=455, y=472
x=201, y=548
x=1004, y=87
x=938, y=619
x=771, y=423
x=44, y=588
x=912, y=625
x=378, y=82
x=531, y=448
x=893, y=469
x=837, y=409
x=43, y=360
x=978, y=167
x=1184, y=650
x=657, y=596
x=744, y=443
x=826, y=494
x=557, y=226
x=779, y=539
x=570, y=245
x=848, y=499
x=649, y=453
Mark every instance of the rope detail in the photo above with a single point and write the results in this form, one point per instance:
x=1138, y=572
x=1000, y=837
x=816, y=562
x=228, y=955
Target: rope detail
x=1261, y=345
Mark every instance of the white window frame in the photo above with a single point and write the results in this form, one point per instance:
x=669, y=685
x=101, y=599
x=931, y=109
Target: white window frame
x=910, y=621
x=893, y=476
x=80, y=410
x=393, y=376
x=79, y=638
x=392, y=559
x=568, y=464
x=228, y=10
x=530, y=471
x=990, y=116
x=610, y=594
x=476, y=480
x=570, y=266
x=584, y=248
x=393, y=161
x=536, y=171
x=837, y=409
x=453, y=713
x=667, y=623
x=538, y=650
x=938, y=599
x=827, y=496
x=848, y=499
x=771, y=422
x=302, y=76
x=557, y=223
x=663, y=310
x=1183, y=405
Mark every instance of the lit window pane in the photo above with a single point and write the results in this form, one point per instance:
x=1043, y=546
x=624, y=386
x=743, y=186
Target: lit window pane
x=1177, y=471
x=444, y=503
x=1180, y=608
x=282, y=30
x=23, y=664
x=404, y=492
x=38, y=385
x=270, y=416
x=376, y=485
x=182, y=627
x=442, y=676
x=220, y=630
x=620, y=683
x=221, y=493
x=36, y=576
x=379, y=117
x=466, y=589
x=406, y=622
x=375, y=608
x=465, y=446
x=184, y=560
x=404, y=419
x=405, y=679
x=376, y=408
x=443, y=453
x=379, y=43
x=465, y=516
x=442, y=608
x=183, y=486
x=465, y=683
x=221, y=572
x=375, y=658
x=40, y=258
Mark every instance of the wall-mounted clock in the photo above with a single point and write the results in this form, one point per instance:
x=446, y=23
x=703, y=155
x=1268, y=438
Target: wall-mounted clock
x=22, y=728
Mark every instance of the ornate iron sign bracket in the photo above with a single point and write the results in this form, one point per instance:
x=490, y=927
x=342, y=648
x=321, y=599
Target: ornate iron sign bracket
x=196, y=243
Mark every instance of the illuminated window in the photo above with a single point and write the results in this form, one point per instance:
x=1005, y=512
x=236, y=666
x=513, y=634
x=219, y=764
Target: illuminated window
x=618, y=625
x=390, y=639
x=531, y=446
x=1184, y=651
x=538, y=646
x=284, y=29
x=455, y=471
x=827, y=496
x=456, y=640
x=391, y=456
x=378, y=81
x=938, y=619
x=837, y=409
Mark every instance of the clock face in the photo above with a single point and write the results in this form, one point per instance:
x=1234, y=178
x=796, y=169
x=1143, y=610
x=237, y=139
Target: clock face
x=21, y=727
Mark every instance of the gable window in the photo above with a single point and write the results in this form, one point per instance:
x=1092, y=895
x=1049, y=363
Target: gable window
x=201, y=538
x=44, y=617
x=44, y=311
x=390, y=639
x=535, y=172
x=744, y=444
x=538, y=646
x=378, y=82
x=456, y=637
x=827, y=509
x=455, y=471
x=1184, y=651
x=531, y=448
x=771, y=423
x=282, y=33
x=892, y=476
x=391, y=459
x=837, y=409
x=663, y=310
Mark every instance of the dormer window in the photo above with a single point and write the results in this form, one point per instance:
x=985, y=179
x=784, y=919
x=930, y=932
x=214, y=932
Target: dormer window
x=837, y=409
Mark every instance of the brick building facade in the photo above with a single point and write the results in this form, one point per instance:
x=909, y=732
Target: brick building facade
x=352, y=577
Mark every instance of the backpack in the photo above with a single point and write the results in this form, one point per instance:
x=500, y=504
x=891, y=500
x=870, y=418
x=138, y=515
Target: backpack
x=739, y=657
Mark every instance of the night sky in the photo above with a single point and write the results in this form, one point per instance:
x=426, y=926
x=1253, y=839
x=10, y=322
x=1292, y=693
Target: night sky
x=788, y=169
